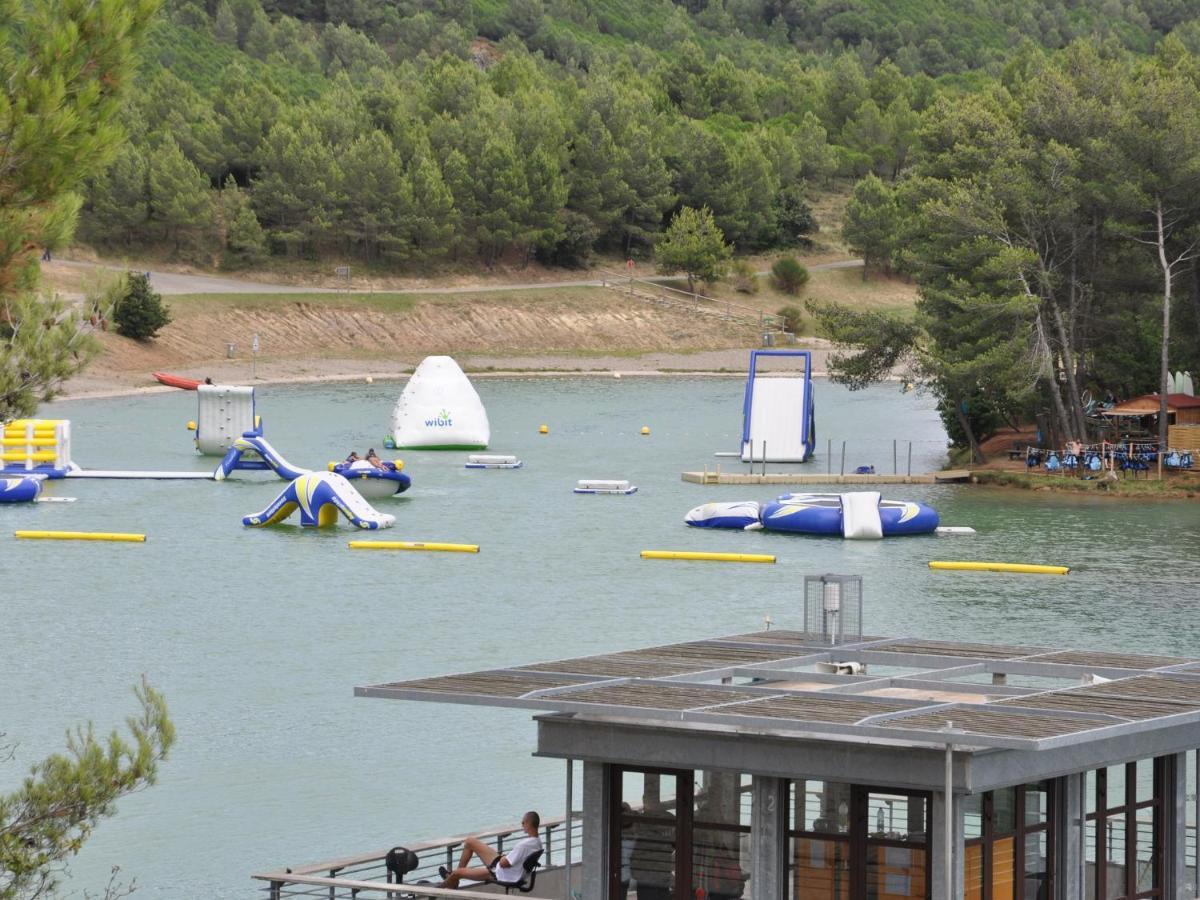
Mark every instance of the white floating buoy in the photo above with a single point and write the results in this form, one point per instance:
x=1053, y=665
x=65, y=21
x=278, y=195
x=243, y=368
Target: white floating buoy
x=370, y=380
x=616, y=374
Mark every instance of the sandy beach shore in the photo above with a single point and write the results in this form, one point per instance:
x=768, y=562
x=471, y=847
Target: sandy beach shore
x=99, y=382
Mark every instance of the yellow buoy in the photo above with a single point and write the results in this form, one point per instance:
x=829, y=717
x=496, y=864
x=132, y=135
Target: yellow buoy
x=80, y=536
x=399, y=464
x=414, y=545
x=331, y=466
x=1001, y=567
x=709, y=557
x=543, y=429
x=191, y=426
x=645, y=429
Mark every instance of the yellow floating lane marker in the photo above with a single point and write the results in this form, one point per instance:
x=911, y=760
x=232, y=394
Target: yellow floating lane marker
x=414, y=545
x=1001, y=567
x=81, y=536
x=709, y=557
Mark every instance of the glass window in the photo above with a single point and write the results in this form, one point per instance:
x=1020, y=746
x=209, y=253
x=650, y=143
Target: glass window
x=820, y=869
x=821, y=806
x=1037, y=803
x=895, y=873
x=896, y=817
x=973, y=816
x=1114, y=872
x=647, y=828
x=1145, y=780
x=1115, y=787
x=1004, y=811
x=1037, y=885
x=1144, y=877
x=720, y=840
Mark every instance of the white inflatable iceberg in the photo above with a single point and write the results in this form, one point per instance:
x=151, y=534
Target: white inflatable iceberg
x=439, y=410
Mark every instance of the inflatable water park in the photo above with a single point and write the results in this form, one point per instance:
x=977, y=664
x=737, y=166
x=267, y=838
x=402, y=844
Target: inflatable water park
x=857, y=515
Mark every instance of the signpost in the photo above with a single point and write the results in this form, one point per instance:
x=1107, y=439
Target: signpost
x=254, y=358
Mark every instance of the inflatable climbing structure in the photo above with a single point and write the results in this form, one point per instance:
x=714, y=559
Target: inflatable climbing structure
x=439, y=410
x=320, y=497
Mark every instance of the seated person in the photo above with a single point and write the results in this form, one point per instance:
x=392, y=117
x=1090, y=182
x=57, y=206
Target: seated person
x=352, y=458
x=506, y=868
x=374, y=459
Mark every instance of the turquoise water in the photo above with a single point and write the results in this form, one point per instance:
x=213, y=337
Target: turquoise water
x=257, y=637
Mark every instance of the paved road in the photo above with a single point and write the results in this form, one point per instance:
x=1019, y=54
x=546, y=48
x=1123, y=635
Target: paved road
x=173, y=283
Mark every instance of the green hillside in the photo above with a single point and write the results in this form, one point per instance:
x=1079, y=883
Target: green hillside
x=422, y=133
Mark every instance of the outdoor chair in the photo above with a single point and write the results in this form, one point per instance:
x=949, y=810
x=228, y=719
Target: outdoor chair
x=1052, y=463
x=528, y=877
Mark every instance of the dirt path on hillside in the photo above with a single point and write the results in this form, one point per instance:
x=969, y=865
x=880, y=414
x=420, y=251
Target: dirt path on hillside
x=167, y=282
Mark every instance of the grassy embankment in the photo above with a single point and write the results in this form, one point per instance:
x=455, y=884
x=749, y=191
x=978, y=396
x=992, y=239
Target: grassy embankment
x=1174, y=486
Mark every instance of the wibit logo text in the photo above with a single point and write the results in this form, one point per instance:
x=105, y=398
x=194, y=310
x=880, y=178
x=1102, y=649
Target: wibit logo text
x=442, y=420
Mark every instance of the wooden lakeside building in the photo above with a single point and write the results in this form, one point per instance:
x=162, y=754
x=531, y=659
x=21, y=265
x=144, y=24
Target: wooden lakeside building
x=777, y=764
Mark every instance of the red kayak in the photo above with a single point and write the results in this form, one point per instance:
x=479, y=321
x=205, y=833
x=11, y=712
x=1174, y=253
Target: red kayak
x=178, y=381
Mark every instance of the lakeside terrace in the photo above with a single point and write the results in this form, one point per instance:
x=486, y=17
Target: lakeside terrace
x=742, y=766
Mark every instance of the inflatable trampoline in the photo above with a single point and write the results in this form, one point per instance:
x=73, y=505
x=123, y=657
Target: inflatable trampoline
x=855, y=515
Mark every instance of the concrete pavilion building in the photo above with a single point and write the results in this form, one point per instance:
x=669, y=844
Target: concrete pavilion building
x=827, y=765
x=773, y=765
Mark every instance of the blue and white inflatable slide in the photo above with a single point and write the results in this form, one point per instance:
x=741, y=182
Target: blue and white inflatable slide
x=777, y=414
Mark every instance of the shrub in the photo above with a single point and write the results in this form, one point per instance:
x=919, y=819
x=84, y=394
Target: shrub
x=792, y=318
x=744, y=279
x=788, y=275
x=140, y=311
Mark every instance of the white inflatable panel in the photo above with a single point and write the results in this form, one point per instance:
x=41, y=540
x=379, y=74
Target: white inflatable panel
x=600, y=486
x=439, y=410
x=777, y=418
x=225, y=413
x=860, y=516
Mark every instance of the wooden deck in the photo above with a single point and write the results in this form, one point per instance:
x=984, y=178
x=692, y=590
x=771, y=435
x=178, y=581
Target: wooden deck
x=801, y=478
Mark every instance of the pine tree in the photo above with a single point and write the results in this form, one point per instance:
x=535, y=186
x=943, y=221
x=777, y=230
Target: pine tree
x=376, y=198
x=870, y=223
x=45, y=821
x=180, y=205
x=139, y=312
x=116, y=211
x=65, y=70
x=434, y=221
x=245, y=240
x=693, y=244
x=225, y=25
x=501, y=196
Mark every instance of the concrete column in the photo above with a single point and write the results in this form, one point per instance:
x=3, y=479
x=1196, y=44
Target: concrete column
x=1068, y=821
x=768, y=839
x=1175, y=873
x=938, y=845
x=597, y=787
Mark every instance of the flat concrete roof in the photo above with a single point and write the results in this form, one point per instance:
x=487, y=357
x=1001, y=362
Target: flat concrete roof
x=934, y=693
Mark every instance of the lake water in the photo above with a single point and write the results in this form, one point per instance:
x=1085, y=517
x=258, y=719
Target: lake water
x=257, y=636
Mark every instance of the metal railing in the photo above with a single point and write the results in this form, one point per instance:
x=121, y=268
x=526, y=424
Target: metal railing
x=348, y=877
x=689, y=301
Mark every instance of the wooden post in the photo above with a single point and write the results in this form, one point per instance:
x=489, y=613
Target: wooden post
x=829, y=456
x=843, y=471
x=910, y=459
x=895, y=464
